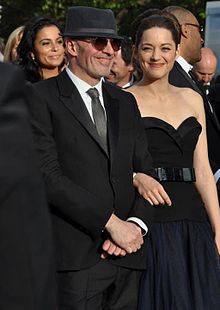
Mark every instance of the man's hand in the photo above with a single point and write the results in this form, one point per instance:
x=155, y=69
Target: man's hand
x=151, y=189
x=126, y=235
x=110, y=248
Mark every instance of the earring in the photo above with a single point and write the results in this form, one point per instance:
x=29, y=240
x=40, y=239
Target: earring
x=33, y=58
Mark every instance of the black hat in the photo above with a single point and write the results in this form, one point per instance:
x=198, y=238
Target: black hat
x=90, y=22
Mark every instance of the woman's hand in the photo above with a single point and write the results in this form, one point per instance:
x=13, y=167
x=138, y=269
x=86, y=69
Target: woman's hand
x=151, y=189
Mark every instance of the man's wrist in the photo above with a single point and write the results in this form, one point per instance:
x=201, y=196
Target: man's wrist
x=140, y=223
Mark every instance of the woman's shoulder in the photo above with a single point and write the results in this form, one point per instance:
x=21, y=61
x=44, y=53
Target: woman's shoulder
x=187, y=94
x=189, y=98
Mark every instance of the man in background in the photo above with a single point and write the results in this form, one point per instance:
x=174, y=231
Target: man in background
x=122, y=69
x=206, y=67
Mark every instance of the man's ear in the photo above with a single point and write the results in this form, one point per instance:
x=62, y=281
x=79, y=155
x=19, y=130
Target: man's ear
x=184, y=31
x=71, y=47
x=130, y=67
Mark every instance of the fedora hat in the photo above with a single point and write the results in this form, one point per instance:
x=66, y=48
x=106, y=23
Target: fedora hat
x=90, y=22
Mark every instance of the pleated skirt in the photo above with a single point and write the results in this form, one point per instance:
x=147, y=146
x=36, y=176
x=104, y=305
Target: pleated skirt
x=183, y=268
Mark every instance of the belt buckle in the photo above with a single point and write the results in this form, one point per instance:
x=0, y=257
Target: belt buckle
x=162, y=175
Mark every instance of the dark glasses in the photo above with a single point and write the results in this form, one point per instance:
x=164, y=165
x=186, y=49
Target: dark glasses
x=200, y=28
x=100, y=43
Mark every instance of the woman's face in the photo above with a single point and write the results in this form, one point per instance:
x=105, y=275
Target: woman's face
x=49, y=49
x=156, y=52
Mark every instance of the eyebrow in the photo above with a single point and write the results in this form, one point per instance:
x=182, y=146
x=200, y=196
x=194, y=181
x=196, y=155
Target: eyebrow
x=146, y=43
x=48, y=39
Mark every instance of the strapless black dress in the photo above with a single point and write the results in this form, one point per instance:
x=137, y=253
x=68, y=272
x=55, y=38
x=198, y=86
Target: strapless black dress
x=183, y=266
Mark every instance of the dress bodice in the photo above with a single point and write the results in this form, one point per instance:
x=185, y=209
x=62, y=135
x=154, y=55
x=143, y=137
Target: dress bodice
x=174, y=147
x=169, y=146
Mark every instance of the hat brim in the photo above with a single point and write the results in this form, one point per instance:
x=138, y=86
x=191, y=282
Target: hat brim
x=90, y=35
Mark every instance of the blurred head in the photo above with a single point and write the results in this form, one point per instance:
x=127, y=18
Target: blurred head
x=91, y=42
x=191, y=39
x=206, y=67
x=10, y=52
x=122, y=68
x=41, y=48
x=2, y=47
x=156, y=44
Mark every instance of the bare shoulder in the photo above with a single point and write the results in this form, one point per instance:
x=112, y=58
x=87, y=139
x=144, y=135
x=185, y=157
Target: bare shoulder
x=189, y=96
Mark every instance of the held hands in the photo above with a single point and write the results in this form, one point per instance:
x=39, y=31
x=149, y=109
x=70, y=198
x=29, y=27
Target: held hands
x=150, y=189
x=126, y=236
x=110, y=248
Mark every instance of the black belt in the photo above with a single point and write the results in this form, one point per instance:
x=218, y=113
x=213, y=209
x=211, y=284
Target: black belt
x=175, y=174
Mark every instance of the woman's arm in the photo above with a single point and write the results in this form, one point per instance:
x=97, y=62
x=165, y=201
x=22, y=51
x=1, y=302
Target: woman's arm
x=204, y=178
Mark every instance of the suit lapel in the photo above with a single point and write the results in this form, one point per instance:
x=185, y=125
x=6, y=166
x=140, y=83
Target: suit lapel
x=112, y=111
x=71, y=98
x=187, y=78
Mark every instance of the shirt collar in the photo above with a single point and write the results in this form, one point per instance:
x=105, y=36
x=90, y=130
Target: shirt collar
x=129, y=83
x=184, y=64
x=81, y=85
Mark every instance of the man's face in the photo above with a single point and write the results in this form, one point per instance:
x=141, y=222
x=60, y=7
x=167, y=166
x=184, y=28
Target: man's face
x=120, y=73
x=88, y=63
x=205, y=70
x=195, y=39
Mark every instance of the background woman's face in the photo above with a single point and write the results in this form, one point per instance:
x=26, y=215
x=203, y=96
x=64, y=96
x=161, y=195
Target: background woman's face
x=49, y=48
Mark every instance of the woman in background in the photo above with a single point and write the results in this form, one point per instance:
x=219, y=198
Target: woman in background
x=183, y=247
x=10, y=52
x=41, y=50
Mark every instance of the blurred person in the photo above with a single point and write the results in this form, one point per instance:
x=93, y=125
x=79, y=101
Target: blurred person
x=206, y=67
x=89, y=140
x=122, y=69
x=10, y=53
x=183, y=249
x=214, y=97
x=2, y=47
x=27, y=279
x=182, y=76
x=41, y=49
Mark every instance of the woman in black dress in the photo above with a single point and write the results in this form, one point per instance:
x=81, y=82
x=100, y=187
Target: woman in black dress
x=183, y=245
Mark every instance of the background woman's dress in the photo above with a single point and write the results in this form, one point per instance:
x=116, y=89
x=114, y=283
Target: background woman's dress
x=183, y=266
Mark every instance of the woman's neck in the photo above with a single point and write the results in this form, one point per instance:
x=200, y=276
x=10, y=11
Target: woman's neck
x=48, y=73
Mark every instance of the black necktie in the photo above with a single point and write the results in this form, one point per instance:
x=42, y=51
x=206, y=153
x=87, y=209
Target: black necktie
x=98, y=115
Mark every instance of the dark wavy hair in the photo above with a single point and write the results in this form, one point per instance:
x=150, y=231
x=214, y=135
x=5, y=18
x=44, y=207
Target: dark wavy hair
x=32, y=68
x=163, y=20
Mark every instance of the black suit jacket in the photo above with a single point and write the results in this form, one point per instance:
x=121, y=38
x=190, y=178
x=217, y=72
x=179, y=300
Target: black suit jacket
x=84, y=184
x=214, y=96
x=27, y=278
x=180, y=78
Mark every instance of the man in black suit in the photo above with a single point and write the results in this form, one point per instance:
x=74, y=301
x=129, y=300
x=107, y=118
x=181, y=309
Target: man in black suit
x=181, y=76
x=27, y=278
x=90, y=142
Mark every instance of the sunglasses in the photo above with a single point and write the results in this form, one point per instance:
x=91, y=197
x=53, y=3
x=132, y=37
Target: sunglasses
x=200, y=28
x=100, y=43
